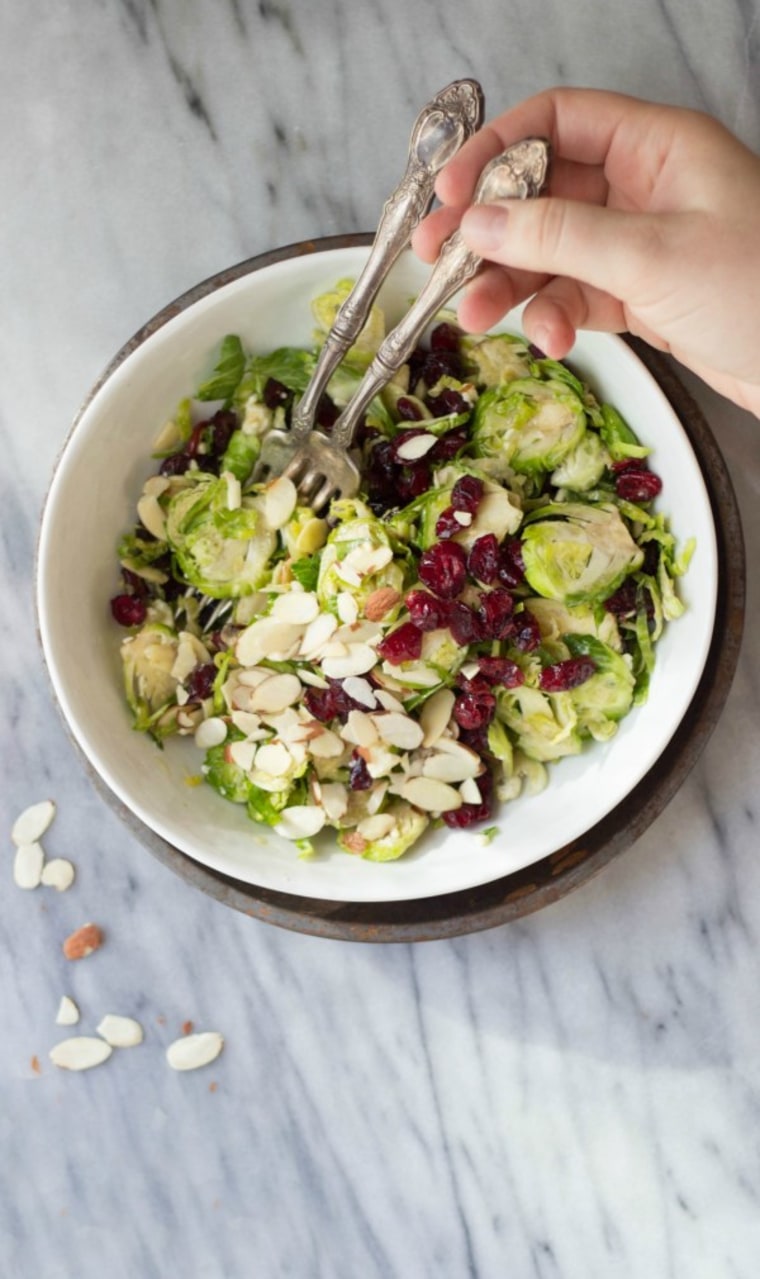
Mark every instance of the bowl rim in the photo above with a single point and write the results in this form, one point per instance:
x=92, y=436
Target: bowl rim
x=535, y=886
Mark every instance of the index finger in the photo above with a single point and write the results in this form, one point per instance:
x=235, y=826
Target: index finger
x=581, y=125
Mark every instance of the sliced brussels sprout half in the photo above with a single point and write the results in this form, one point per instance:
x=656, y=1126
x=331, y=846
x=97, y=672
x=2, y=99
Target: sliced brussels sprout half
x=325, y=308
x=494, y=359
x=221, y=551
x=607, y=695
x=533, y=424
x=545, y=725
x=583, y=466
x=148, y=659
x=408, y=824
x=578, y=553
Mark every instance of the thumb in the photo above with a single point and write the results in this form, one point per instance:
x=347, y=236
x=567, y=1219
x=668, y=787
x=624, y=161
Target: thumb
x=607, y=248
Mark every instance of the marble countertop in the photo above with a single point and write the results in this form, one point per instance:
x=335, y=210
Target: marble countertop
x=573, y=1095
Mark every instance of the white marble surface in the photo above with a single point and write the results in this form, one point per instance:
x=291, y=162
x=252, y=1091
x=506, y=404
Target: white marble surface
x=576, y=1095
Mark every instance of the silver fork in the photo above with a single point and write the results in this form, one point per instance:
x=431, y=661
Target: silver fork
x=442, y=126
x=322, y=469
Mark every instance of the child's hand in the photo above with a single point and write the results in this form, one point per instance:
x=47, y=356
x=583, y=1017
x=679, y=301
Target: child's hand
x=651, y=225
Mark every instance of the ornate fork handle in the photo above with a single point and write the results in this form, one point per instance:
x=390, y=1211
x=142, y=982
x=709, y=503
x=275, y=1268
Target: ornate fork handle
x=520, y=172
x=440, y=129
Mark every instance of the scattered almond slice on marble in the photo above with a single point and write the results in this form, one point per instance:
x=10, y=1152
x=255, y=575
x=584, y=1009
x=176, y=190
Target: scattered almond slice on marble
x=195, y=1050
x=81, y=1052
x=120, y=1032
x=28, y=865
x=68, y=1013
x=80, y=944
x=58, y=873
x=30, y=826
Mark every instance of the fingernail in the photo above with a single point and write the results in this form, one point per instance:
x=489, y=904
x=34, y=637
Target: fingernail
x=484, y=227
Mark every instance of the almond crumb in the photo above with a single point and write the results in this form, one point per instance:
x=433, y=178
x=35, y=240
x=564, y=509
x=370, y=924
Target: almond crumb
x=35, y=1065
x=187, y=1028
x=83, y=942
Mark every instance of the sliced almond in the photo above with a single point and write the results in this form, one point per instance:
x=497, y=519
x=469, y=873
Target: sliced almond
x=276, y=693
x=27, y=865
x=325, y=744
x=388, y=701
x=430, y=795
x=234, y=491
x=375, y=796
x=377, y=827
x=359, y=659
x=398, y=730
x=300, y=821
x=359, y=729
x=311, y=678
x=248, y=723
x=81, y=1052
x=464, y=518
x=280, y=501
x=241, y=753
x=252, y=676
x=268, y=637
x=447, y=768
x=68, y=1013
x=211, y=732
x=31, y=825
x=348, y=609
x=415, y=447
x=120, y=1032
x=334, y=799
x=317, y=634
x=296, y=606
x=196, y=1050
x=274, y=758
x=367, y=560
x=58, y=873
x=470, y=791
x=312, y=537
x=435, y=715
x=360, y=690
x=150, y=514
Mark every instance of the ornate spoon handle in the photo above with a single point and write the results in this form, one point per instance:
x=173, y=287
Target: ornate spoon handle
x=440, y=129
x=520, y=172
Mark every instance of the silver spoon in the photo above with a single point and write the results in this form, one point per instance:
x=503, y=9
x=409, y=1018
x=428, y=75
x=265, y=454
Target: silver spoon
x=442, y=126
x=322, y=468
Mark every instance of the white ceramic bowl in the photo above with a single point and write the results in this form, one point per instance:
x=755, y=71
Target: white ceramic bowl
x=92, y=500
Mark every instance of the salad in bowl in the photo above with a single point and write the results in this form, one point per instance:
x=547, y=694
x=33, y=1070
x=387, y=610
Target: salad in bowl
x=415, y=658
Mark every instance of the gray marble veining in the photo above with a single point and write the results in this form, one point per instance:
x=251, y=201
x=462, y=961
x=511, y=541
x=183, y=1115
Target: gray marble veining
x=574, y=1096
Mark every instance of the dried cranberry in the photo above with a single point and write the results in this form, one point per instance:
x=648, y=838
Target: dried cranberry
x=327, y=414
x=467, y=494
x=651, y=558
x=637, y=484
x=496, y=610
x=223, y=424
x=526, y=634
x=447, y=525
x=469, y=814
x=501, y=670
x=275, y=393
x=464, y=623
x=443, y=569
x=200, y=682
x=448, y=402
x=484, y=559
x=358, y=774
x=322, y=703
x=413, y=481
x=445, y=337
x=474, y=709
x=175, y=464
x=136, y=584
x=623, y=601
x=561, y=676
x=511, y=563
x=440, y=364
x=128, y=610
x=427, y=612
x=449, y=445
x=476, y=739
x=407, y=410
x=402, y=645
